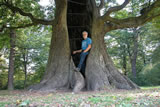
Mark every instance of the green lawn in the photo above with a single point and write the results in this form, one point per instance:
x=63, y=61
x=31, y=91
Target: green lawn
x=146, y=97
x=153, y=87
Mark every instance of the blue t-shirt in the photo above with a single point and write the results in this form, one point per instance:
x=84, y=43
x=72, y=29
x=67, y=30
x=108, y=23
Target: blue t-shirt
x=85, y=43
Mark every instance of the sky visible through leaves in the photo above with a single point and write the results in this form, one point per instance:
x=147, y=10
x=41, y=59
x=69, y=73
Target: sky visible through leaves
x=46, y=2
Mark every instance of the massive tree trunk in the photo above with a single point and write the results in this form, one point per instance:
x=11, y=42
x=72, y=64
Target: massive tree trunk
x=11, y=60
x=100, y=72
x=58, y=69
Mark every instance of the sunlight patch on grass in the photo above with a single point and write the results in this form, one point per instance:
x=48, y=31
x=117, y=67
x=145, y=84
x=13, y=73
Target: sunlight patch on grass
x=150, y=87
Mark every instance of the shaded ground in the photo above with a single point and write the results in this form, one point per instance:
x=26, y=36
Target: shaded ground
x=146, y=97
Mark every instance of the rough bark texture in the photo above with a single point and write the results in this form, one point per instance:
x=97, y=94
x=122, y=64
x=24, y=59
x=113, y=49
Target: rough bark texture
x=100, y=71
x=58, y=70
x=79, y=82
x=76, y=79
x=11, y=60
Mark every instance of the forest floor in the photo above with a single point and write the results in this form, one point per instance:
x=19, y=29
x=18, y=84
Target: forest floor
x=146, y=97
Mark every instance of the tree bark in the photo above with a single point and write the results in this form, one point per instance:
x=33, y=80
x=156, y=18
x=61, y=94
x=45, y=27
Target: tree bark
x=100, y=71
x=124, y=59
x=135, y=51
x=25, y=61
x=58, y=68
x=11, y=59
x=133, y=60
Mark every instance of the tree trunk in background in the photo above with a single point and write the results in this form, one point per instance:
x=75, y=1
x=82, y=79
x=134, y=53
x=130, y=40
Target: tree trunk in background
x=135, y=51
x=124, y=59
x=124, y=64
x=144, y=60
x=25, y=60
x=11, y=60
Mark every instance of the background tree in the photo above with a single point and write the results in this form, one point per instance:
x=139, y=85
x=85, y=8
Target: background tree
x=32, y=47
x=35, y=42
x=11, y=59
x=147, y=61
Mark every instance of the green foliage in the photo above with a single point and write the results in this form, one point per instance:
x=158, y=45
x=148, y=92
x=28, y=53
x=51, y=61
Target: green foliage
x=37, y=76
x=152, y=74
x=149, y=76
x=4, y=45
x=120, y=45
x=8, y=17
x=4, y=38
x=3, y=79
x=156, y=55
x=33, y=45
x=120, y=42
x=19, y=84
x=156, y=22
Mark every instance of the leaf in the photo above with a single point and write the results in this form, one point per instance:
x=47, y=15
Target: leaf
x=25, y=103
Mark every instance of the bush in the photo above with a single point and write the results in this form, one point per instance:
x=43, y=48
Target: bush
x=19, y=84
x=3, y=79
x=149, y=76
x=152, y=75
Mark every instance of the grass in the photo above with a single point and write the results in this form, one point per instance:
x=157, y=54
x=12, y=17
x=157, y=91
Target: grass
x=150, y=87
x=146, y=97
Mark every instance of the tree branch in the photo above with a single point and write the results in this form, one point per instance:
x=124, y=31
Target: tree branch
x=147, y=15
x=22, y=26
x=21, y=12
x=101, y=5
x=114, y=9
x=17, y=27
x=93, y=3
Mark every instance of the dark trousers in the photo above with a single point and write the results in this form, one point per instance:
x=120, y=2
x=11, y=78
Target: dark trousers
x=82, y=64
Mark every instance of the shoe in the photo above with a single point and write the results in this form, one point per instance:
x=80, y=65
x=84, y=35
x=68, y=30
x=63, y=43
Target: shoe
x=77, y=69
